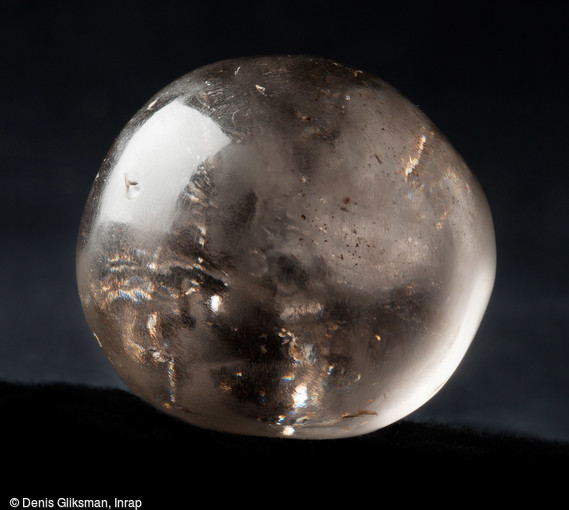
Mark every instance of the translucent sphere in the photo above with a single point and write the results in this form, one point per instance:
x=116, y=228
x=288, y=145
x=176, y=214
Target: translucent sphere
x=284, y=246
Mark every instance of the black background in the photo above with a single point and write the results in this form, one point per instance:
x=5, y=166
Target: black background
x=492, y=76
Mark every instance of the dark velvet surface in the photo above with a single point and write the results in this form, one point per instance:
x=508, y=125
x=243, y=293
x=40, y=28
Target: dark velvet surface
x=109, y=442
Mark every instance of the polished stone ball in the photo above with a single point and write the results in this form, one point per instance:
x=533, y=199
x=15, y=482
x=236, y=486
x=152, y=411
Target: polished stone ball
x=284, y=246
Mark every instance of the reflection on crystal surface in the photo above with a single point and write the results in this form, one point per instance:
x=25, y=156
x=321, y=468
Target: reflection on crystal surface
x=284, y=246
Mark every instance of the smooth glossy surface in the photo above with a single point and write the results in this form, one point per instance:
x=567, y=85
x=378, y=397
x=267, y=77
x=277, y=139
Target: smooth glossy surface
x=284, y=246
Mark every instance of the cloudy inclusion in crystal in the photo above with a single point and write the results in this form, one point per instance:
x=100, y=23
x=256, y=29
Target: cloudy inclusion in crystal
x=284, y=246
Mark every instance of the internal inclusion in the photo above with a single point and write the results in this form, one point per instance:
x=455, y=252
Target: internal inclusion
x=318, y=364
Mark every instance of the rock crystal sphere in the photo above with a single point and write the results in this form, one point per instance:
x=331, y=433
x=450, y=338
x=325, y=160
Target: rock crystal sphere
x=284, y=246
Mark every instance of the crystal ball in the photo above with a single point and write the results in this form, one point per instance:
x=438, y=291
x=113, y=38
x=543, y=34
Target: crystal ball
x=284, y=246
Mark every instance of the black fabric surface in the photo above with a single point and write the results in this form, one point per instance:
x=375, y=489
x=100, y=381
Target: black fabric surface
x=109, y=440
